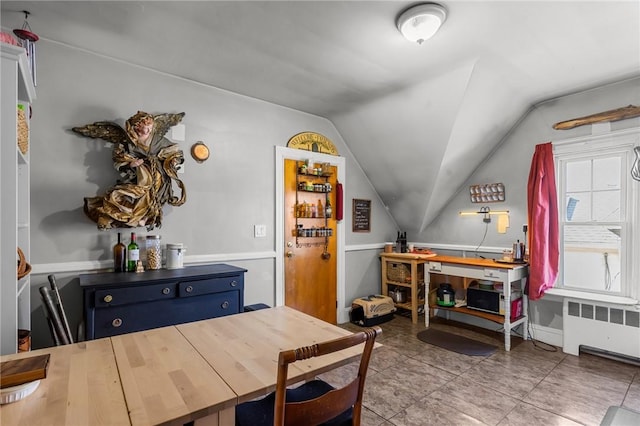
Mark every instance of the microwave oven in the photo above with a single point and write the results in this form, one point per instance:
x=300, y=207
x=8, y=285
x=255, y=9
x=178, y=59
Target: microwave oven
x=492, y=301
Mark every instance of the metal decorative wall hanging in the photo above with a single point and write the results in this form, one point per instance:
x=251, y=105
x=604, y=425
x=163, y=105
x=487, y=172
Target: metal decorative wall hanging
x=147, y=162
x=315, y=142
x=28, y=41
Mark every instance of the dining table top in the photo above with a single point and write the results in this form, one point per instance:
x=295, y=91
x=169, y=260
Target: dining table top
x=174, y=374
x=164, y=378
x=82, y=387
x=244, y=348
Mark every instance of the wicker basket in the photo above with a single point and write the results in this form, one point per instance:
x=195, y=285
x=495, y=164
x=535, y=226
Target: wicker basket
x=399, y=272
x=23, y=132
x=23, y=266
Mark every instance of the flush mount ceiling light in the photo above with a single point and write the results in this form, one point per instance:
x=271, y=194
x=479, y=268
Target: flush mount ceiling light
x=421, y=22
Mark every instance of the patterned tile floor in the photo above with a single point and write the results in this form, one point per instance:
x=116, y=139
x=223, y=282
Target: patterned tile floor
x=414, y=383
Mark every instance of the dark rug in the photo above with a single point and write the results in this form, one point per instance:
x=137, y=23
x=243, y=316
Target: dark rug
x=455, y=343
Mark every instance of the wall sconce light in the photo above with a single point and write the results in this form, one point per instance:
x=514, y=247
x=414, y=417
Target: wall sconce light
x=421, y=22
x=486, y=212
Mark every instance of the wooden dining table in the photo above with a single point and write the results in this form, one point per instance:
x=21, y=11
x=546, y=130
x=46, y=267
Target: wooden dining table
x=244, y=348
x=195, y=371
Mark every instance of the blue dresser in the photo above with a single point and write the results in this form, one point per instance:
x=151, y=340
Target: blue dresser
x=123, y=302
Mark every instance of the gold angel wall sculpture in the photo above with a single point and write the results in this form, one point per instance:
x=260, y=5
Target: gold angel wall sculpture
x=147, y=162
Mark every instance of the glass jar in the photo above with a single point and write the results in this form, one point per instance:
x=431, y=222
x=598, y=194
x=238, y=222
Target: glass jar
x=154, y=252
x=175, y=255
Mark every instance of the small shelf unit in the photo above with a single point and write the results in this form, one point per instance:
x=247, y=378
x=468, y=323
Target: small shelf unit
x=18, y=92
x=405, y=270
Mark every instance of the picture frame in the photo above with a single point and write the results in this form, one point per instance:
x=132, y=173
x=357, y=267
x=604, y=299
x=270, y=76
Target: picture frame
x=361, y=215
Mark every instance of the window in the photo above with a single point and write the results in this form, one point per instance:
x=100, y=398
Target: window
x=598, y=208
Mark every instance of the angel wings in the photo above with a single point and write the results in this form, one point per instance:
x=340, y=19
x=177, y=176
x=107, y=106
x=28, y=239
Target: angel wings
x=114, y=133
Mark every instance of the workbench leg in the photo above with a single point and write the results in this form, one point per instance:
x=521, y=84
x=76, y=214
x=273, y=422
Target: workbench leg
x=414, y=304
x=507, y=339
x=525, y=309
x=427, y=293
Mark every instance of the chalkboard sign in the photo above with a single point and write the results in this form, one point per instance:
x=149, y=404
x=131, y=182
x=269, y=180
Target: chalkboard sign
x=361, y=215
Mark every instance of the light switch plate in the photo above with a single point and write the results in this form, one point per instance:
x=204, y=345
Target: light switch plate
x=260, y=231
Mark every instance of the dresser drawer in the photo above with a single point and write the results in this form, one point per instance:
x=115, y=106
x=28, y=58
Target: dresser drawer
x=211, y=285
x=117, y=303
x=128, y=295
x=123, y=319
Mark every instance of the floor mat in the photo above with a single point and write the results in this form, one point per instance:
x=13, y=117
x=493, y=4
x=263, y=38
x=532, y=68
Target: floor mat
x=455, y=343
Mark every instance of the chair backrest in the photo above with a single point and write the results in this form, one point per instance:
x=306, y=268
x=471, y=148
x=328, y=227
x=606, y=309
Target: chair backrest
x=334, y=402
x=56, y=316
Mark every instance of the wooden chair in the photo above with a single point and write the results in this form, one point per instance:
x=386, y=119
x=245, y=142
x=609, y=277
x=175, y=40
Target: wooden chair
x=315, y=402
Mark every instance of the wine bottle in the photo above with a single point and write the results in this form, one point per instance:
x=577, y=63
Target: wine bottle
x=328, y=211
x=119, y=256
x=133, y=254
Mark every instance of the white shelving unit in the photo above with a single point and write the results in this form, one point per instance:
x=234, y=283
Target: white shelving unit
x=15, y=304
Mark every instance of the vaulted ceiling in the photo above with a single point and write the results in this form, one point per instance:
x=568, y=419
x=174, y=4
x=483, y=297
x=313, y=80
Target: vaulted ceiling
x=409, y=113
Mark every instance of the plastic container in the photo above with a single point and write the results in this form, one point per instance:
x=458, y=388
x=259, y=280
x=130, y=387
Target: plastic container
x=154, y=252
x=175, y=255
x=446, y=295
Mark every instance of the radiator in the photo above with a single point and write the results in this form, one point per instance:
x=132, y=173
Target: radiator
x=607, y=327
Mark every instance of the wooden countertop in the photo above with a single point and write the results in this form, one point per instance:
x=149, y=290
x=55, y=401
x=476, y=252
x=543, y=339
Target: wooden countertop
x=470, y=261
x=409, y=256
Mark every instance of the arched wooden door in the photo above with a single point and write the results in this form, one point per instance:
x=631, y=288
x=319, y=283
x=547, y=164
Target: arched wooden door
x=310, y=235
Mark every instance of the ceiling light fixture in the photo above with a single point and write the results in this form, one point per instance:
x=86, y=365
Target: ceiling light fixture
x=421, y=22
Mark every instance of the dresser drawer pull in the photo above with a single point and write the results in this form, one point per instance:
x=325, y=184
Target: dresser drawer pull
x=189, y=289
x=166, y=290
x=225, y=305
x=491, y=273
x=116, y=322
x=435, y=266
x=234, y=283
x=108, y=298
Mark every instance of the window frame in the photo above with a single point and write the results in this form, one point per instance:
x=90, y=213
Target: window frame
x=599, y=146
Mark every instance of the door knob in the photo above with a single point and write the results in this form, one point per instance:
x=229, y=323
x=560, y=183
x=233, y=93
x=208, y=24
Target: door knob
x=289, y=253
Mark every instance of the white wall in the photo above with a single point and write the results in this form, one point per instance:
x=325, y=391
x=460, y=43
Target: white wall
x=226, y=195
x=510, y=164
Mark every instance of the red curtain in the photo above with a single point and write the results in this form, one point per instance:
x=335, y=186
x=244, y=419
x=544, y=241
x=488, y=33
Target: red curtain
x=542, y=201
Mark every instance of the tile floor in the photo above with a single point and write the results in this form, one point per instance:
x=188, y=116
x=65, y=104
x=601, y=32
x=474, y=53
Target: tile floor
x=414, y=383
